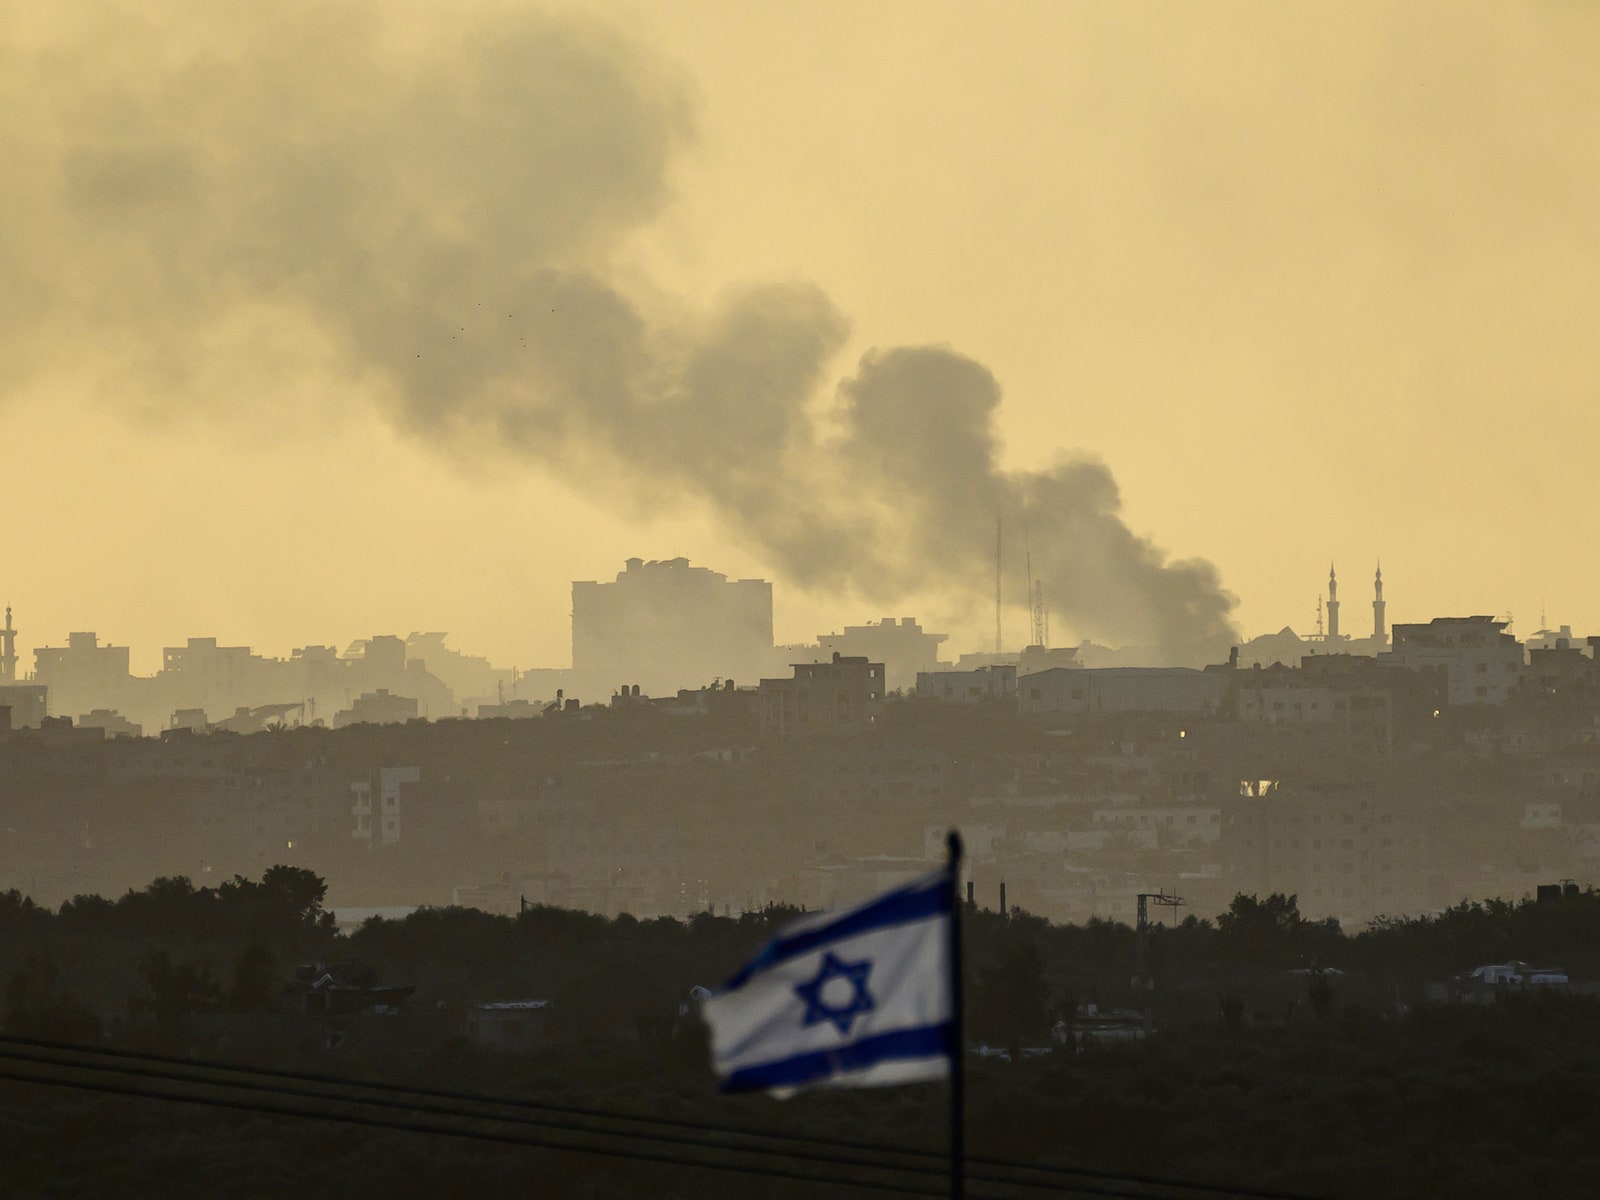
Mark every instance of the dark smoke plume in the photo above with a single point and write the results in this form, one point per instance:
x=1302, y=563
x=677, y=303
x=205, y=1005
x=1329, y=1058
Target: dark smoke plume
x=211, y=203
x=920, y=424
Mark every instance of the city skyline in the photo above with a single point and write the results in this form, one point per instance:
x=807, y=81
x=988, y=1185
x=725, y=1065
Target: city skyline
x=1368, y=629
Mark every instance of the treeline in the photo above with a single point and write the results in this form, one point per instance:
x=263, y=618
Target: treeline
x=1307, y=1085
x=160, y=951
x=172, y=947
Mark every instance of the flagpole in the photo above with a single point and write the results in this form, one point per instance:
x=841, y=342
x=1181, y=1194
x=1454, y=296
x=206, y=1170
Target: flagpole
x=958, y=1053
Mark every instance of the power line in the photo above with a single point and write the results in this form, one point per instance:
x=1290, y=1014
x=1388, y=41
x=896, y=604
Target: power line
x=187, y=1082
x=1056, y=1176
x=419, y=1126
x=465, y=1097
x=193, y=1072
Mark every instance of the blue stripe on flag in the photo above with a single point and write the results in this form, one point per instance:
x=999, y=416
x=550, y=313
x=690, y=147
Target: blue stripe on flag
x=926, y=1041
x=897, y=908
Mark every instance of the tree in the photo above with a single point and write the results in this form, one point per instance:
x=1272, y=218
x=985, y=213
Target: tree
x=174, y=988
x=1009, y=999
x=287, y=898
x=255, y=983
x=301, y=892
x=1273, y=931
x=18, y=912
x=37, y=1006
x=1319, y=991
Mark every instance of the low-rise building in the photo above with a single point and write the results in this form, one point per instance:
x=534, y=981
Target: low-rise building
x=1123, y=690
x=26, y=703
x=377, y=708
x=981, y=685
x=1483, y=662
x=1331, y=708
x=838, y=697
x=380, y=814
x=84, y=674
x=507, y=1024
x=904, y=647
x=114, y=723
x=1172, y=825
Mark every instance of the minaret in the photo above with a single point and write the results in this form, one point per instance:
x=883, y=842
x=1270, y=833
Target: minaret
x=1333, y=605
x=8, y=651
x=1380, y=627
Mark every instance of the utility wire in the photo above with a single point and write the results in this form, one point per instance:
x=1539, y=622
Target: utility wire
x=195, y=1075
x=1054, y=1175
x=472, y=1097
x=526, y=1141
x=191, y=1079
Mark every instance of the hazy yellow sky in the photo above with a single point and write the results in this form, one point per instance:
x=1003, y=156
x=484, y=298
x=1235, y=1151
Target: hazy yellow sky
x=1314, y=282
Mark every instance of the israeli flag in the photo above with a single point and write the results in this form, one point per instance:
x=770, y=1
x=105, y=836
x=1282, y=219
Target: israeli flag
x=844, y=999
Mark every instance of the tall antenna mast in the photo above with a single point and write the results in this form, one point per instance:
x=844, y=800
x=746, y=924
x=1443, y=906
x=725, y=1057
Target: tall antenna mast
x=998, y=642
x=1028, y=595
x=1041, y=623
x=1028, y=558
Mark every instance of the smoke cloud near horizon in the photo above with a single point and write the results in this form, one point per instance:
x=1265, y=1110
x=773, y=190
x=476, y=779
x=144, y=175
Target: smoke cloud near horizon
x=211, y=206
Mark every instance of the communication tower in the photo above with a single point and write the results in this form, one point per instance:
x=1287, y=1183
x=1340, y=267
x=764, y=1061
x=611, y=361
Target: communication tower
x=999, y=643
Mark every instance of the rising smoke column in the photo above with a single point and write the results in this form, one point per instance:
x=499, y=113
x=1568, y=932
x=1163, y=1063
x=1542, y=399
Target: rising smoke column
x=211, y=205
x=921, y=424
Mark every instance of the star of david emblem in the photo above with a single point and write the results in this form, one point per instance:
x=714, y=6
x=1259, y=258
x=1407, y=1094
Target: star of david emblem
x=838, y=993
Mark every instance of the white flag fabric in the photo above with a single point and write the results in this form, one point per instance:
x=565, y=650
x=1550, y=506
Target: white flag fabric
x=845, y=999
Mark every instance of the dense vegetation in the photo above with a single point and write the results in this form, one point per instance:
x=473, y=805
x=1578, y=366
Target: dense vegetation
x=1284, y=1054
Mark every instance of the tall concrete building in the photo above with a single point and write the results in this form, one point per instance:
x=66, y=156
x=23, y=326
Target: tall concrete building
x=666, y=625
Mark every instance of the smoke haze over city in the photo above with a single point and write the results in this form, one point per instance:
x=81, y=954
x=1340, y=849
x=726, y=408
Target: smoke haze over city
x=237, y=238
x=217, y=218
